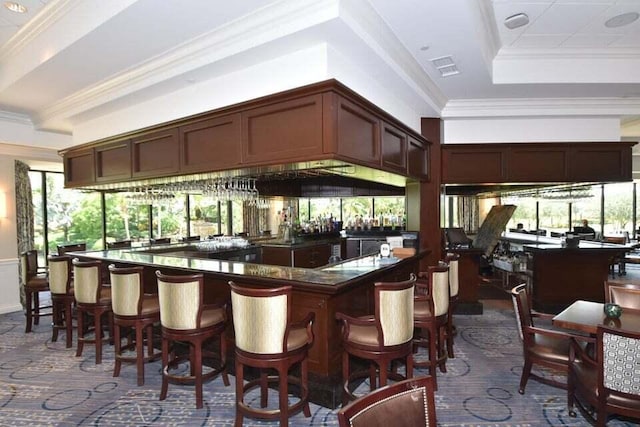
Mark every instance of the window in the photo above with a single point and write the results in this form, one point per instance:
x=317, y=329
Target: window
x=524, y=214
x=588, y=208
x=126, y=220
x=204, y=217
x=618, y=209
x=170, y=218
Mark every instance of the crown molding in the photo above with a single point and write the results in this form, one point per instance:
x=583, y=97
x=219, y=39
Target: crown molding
x=257, y=28
x=362, y=18
x=27, y=151
x=23, y=119
x=51, y=13
x=511, y=107
x=491, y=37
x=507, y=53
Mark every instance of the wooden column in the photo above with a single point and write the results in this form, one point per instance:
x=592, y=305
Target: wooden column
x=430, y=231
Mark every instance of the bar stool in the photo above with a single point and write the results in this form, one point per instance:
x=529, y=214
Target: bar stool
x=185, y=318
x=92, y=300
x=132, y=308
x=62, y=296
x=72, y=247
x=382, y=338
x=34, y=282
x=431, y=307
x=266, y=338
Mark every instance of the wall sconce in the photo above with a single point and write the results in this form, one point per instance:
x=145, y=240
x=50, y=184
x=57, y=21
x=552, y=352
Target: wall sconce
x=3, y=204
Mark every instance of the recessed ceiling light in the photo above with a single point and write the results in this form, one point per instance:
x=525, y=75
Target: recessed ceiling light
x=15, y=7
x=622, y=20
x=516, y=21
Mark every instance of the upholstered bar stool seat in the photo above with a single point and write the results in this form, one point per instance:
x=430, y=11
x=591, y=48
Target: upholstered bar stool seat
x=452, y=261
x=133, y=309
x=186, y=319
x=381, y=338
x=34, y=282
x=266, y=338
x=62, y=297
x=92, y=301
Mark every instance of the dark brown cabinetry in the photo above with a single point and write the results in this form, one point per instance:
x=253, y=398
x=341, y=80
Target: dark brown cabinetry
x=113, y=161
x=536, y=162
x=290, y=130
x=308, y=256
x=324, y=121
x=79, y=167
x=156, y=154
x=394, y=148
x=210, y=144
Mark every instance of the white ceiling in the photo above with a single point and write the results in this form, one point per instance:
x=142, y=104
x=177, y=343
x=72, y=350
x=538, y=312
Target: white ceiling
x=67, y=62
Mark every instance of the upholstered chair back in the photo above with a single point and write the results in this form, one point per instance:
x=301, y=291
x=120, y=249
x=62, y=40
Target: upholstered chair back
x=260, y=318
x=87, y=281
x=407, y=403
x=29, y=265
x=394, y=310
x=59, y=274
x=453, y=274
x=180, y=300
x=440, y=289
x=619, y=352
x=74, y=247
x=126, y=290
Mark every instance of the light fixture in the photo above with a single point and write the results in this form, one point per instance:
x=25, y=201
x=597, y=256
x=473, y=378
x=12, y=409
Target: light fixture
x=516, y=21
x=15, y=7
x=622, y=20
x=3, y=204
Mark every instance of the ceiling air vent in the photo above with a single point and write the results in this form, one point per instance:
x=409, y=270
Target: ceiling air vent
x=445, y=66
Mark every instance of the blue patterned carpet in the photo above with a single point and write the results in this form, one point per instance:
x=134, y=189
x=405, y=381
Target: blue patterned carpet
x=43, y=383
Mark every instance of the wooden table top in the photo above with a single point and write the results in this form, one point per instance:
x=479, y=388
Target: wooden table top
x=585, y=316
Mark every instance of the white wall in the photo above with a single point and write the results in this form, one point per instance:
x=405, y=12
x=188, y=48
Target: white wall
x=534, y=129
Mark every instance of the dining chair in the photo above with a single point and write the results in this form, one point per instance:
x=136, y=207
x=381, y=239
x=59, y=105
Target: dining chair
x=381, y=338
x=72, y=247
x=609, y=383
x=626, y=295
x=267, y=338
x=186, y=319
x=160, y=241
x=406, y=403
x=62, y=296
x=34, y=281
x=540, y=346
x=120, y=244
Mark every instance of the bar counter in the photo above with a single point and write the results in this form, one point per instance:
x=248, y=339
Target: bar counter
x=562, y=275
x=343, y=287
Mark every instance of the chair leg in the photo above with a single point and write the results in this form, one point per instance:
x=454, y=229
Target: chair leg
x=304, y=387
x=165, y=367
x=68, y=322
x=526, y=370
x=36, y=308
x=283, y=391
x=264, y=389
x=56, y=320
x=345, y=378
x=118, y=351
x=239, y=392
x=223, y=359
x=29, y=301
x=97, y=318
x=442, y=351
x=81, y=332
x=139, y=352
x=198, y=372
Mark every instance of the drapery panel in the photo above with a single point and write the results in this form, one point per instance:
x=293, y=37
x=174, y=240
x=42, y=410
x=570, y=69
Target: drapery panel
x=24, y=215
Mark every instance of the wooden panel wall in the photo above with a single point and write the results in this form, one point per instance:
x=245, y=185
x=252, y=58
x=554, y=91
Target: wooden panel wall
x=210, y=144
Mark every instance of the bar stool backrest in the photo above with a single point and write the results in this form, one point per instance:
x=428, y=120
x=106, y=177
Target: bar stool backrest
x=260, y=318
x=74, y=247
x=87, y=281
x=60, y=274
x=394, y=310
x=454, y=284
x=126, y=290
x=439, y=277
x=180, y=300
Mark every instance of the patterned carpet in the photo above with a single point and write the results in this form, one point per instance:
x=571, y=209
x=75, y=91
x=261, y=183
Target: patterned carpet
x=43, y=383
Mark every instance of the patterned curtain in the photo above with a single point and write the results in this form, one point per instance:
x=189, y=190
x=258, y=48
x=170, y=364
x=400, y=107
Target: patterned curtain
x=254, y=220
x=468, y=213
x=24, y=214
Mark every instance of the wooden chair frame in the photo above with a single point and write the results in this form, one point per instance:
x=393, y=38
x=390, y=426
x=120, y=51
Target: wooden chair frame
x=35, y=281
x=63, y=303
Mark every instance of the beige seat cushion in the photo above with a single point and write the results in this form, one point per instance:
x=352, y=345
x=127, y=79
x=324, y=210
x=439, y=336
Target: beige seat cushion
x=297, y=338
x=211, y=317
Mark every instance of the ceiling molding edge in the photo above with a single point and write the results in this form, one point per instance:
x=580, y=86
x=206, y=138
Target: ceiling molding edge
x=23, y=119
x=367, y=23
x=506, y=54
x=48, y=16
x=491, y=43
x=27, y=151
x=190, y=55
x=509, y=107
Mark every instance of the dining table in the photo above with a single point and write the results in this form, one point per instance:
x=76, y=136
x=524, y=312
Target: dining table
x=585, y=316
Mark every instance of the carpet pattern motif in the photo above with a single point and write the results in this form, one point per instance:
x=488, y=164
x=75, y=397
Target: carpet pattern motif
x=43, y=383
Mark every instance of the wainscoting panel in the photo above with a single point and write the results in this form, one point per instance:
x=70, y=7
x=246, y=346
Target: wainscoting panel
x=9, y=286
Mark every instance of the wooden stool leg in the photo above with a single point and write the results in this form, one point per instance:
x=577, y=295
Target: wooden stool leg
x=304, y=387
x=140, y=353
x=264, y=389
x=68, y=322
x=97, y=325
x=29, y=301
x=198, y=372
x=165, y=367
x=81, y=332
x=283, y=390
x=118, y=350
x=239, y=392
x=36, y=308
